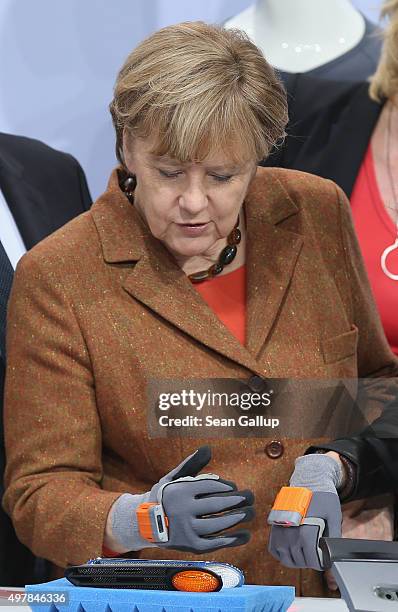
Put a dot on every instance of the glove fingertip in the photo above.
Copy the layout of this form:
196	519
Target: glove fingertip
248	495
241	537
195	463
228	483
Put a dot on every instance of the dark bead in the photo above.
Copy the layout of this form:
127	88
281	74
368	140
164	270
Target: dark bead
197	277
129	184
228	254
215	269
235	236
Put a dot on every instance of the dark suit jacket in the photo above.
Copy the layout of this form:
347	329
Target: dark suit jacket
330	125
85	340
329	130
44	189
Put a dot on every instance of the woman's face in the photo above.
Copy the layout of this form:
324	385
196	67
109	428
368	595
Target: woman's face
190	207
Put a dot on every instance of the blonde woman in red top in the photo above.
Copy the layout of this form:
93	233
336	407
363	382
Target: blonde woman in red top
348	132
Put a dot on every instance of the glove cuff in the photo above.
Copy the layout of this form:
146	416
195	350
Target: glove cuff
125	523
318	473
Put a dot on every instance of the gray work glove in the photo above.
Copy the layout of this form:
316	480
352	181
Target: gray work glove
198	509
298	546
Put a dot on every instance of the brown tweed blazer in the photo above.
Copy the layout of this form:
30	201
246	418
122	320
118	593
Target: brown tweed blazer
100	307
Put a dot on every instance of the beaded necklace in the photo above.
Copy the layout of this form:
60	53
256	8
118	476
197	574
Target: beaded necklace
227	255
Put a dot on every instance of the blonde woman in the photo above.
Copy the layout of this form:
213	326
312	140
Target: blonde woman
193	264
348	132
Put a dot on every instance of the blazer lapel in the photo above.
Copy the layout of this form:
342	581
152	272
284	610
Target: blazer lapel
167	291
272	254
156	280
25	202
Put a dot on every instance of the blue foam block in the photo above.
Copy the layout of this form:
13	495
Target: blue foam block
86	599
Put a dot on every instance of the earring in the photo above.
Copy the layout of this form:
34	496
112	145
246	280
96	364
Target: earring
129	186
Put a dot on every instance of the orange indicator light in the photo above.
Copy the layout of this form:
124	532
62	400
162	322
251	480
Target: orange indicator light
294	499
195	581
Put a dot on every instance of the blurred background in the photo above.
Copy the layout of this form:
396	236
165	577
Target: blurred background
58	62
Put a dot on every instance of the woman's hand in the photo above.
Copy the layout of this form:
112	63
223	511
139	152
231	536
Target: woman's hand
196	509
298	547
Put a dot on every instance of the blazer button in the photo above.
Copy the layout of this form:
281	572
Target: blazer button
256	384
274	449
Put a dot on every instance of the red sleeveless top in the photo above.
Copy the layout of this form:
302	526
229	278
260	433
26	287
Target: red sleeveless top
376	231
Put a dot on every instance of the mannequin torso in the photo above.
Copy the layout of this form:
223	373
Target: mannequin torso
300	35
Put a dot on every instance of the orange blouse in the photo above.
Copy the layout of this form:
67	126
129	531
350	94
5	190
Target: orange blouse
226	296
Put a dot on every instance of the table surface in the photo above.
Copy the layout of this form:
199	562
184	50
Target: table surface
314	604
301	604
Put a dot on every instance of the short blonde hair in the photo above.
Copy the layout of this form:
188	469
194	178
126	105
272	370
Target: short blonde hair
197	89
384	83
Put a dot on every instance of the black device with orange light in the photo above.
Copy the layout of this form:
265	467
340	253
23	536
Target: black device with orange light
169	575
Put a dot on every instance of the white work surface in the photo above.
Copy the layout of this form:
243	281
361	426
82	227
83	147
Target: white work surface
315	604
301	604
